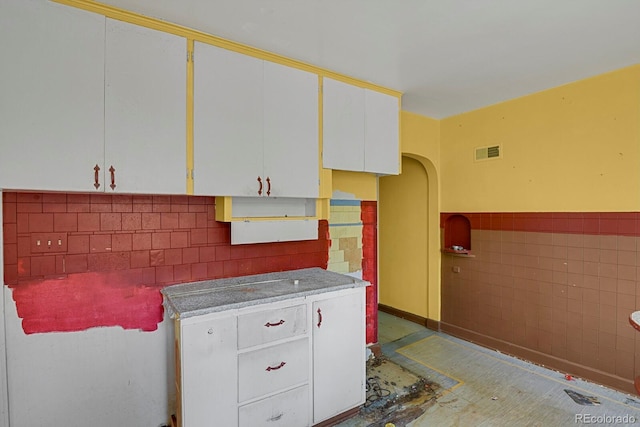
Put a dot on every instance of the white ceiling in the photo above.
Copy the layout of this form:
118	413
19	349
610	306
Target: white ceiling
447	56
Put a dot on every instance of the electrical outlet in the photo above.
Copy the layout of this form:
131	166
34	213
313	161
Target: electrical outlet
456	269
48	242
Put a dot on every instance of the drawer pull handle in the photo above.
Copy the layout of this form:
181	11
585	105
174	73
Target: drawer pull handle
268	325
319	318
270	368
268	186
260	189
275	417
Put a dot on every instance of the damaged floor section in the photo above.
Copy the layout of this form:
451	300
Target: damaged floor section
426	378
394	395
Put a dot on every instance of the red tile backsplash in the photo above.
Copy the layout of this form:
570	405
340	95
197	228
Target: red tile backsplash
88	222
121	250
369	217
65	222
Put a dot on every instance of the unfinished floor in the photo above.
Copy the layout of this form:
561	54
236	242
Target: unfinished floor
475	386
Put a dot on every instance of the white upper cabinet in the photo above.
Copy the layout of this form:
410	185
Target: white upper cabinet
84	94
255	126
360	129
145	110
381	133
52	96
227	122
291	159
343	126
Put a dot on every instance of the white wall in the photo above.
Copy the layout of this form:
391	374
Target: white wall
99	377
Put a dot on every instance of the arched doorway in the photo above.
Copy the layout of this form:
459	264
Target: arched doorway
403	207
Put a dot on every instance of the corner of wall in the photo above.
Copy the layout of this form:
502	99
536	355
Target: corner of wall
4	388
421	141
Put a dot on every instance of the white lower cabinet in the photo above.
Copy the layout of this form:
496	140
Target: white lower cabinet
339	366
290	363
208	380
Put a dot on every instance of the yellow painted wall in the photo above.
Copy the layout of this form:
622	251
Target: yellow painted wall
570	148
402	225
421	137
354	186
409	238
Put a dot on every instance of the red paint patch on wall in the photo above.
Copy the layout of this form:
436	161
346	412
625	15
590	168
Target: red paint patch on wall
122	250
82	301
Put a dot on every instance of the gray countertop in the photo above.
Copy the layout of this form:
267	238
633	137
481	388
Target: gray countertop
209	296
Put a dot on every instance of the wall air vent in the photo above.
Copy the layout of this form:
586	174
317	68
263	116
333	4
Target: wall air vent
487	153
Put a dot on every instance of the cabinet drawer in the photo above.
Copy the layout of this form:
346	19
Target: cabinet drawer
287	409
271	325
272	368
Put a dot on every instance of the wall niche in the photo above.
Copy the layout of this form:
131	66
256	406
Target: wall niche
457	234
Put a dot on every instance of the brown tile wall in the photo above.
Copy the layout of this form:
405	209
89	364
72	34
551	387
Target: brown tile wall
559	298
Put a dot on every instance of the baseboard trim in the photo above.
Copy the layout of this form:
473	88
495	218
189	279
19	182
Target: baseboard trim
423	321
434	325
339	418
546	360
376	349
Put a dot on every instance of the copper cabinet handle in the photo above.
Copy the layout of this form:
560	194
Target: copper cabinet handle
268	186
319	317
113	177
268	325
260	189
269	368
96	177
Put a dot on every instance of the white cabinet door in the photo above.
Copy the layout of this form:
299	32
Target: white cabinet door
381	136
338	353
209	372
145	110
255	126
228	122
52	102
290	131
360	129
343	126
